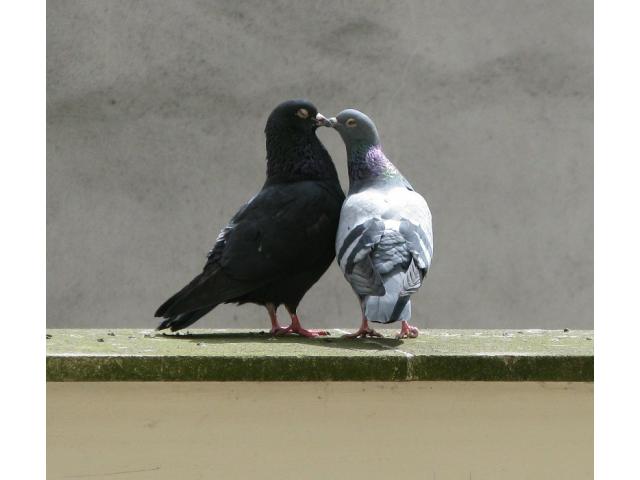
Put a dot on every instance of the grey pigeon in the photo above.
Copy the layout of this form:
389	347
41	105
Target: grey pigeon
281	242
384	243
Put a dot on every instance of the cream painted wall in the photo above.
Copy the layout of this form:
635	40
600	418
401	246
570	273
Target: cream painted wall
419	430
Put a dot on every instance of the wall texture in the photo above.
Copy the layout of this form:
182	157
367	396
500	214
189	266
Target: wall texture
244	430
155	137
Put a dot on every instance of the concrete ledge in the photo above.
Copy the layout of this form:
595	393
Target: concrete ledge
242	355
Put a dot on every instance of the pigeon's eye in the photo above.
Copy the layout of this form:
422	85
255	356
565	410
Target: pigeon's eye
351	122
302	113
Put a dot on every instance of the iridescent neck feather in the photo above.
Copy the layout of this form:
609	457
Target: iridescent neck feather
366	161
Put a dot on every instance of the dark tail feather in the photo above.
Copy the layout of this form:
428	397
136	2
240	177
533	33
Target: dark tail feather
185	292
183	320
209	289
165	306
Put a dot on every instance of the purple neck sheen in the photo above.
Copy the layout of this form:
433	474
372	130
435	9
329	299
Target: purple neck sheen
369	161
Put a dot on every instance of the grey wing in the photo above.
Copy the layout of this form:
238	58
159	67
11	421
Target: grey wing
395	254
409	248
418	243
354	257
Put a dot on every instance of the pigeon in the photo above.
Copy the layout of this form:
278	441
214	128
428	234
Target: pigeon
384	243
282	240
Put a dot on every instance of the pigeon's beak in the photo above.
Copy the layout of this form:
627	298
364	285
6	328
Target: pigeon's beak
322	121
332	122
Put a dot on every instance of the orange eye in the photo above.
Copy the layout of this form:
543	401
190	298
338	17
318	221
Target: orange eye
302	113
351	122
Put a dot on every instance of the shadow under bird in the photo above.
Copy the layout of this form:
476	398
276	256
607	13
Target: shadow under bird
384	243
281	242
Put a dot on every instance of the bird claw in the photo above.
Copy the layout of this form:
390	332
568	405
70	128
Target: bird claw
407	331
363	333
322	333
279	331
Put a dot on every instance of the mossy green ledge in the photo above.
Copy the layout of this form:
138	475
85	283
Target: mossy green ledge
243	355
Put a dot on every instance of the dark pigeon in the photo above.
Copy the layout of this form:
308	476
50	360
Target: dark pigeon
281	242
385	240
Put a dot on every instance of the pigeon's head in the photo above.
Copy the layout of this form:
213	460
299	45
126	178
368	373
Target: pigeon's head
354	127
295	116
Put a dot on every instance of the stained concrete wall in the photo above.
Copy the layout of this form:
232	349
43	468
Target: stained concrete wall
155	116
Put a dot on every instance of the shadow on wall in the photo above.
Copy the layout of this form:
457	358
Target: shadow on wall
266	338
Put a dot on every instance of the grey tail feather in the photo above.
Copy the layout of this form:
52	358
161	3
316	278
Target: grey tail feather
399	307
183	320
394	305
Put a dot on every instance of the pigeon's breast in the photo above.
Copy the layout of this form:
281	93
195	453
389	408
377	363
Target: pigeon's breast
391	205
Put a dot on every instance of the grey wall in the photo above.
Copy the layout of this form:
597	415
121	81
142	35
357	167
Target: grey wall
155	137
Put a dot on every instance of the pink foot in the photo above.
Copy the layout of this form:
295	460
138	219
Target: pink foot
278	330
407	331
298	329
319	331
363	334
364	331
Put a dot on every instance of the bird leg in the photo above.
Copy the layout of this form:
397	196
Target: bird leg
295	327
276	328
407	331
364	330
